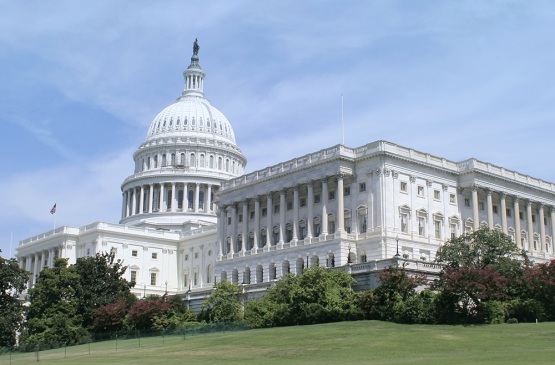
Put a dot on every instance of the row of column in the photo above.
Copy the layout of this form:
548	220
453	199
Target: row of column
230	211
516	216
133	199
36	262
195	82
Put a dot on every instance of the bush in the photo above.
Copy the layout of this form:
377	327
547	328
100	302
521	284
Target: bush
492	312
525	310
512	321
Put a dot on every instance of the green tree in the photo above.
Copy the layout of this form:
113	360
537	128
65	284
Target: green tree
223	304
101	282
13	281
319	295
52	314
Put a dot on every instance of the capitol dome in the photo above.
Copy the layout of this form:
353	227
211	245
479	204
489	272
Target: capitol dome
189	150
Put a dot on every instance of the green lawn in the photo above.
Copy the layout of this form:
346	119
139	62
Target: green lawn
364	342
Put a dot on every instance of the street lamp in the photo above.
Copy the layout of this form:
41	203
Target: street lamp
307	259
349	256
144	290
397	254
166	287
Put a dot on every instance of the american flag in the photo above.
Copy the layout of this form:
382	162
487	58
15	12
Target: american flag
53	210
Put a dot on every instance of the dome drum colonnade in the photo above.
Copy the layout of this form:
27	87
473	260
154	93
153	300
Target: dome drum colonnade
525	237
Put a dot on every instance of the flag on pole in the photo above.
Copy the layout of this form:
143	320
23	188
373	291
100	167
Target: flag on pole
53	210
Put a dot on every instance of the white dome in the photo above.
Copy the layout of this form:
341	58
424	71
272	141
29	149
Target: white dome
191	117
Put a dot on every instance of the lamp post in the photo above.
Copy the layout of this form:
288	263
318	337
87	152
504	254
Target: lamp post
144	290
307	254
166	287
349	255
397	254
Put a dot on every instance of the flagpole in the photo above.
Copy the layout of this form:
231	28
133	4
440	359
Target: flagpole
342	126
55	217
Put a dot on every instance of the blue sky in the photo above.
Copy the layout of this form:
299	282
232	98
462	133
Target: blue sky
80	83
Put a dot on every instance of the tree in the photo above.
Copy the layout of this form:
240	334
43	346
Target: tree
13	281
101	282
143	313
110	317
52	313
223	304
319	295
539	284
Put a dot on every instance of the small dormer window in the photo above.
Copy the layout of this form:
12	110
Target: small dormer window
208	123
164	122
171	122
193	122
221	126
158	125
177	121
185	121
200	122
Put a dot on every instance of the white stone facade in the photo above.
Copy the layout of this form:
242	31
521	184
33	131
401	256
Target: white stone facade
190	216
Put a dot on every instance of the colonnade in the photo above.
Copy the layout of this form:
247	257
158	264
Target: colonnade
194	82
36	262
229	213
167	197
514	206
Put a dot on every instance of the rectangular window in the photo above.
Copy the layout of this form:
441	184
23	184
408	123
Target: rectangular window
331	194
317	198
154	255
421	227
276	208
264	212
195	280
240	218
362	187
289	205
363	224
495	209
317	230
481	205
467	202
404	227
509	213
228	221
533	218
133	276
453	231
521	216
88	251
152	278
251	215
331	226
134	253
436	195
545	221
420	191
196	255
437	226
403	186
186	257
114	250
347	191
303	202
452	199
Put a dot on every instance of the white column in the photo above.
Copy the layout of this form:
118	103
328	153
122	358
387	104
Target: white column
150	197
36	269
197	194
269	229
134	202
179	255
256	220
530	224
489	203
552	212
310	206
185	197
174	200
141	200
282	209
245	225
324	200
51	257
516	216
233	226
475	216
123	204
295	212
128	205
502	196
221	230
208	204
429	198
163	207
340	204
542	228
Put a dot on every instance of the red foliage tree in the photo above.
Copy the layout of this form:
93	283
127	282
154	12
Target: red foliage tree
110	317
539	284
143	312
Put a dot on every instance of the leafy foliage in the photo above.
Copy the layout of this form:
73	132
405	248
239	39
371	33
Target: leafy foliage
13	281
110	317
319	295
142	314
223	304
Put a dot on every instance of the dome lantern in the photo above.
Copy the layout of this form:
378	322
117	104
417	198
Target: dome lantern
194	76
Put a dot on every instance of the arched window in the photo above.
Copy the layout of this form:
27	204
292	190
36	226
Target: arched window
143	165
221	126
192	161
158	125
177	121
211	162
233	167
219	163
190	198
201	199
201	161
173	159
164	160
227	165
156	161
193	121
185	121
169	199
200	122
148	164
209	273
180	199
171	121
208	123
182	159
164	123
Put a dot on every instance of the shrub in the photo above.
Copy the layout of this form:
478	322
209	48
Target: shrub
512	321
525	310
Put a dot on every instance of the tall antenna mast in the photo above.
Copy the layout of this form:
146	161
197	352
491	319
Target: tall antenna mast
342	126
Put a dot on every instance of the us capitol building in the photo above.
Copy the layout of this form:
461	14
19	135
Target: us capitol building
191	217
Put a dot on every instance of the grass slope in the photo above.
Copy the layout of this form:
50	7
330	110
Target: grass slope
364	342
